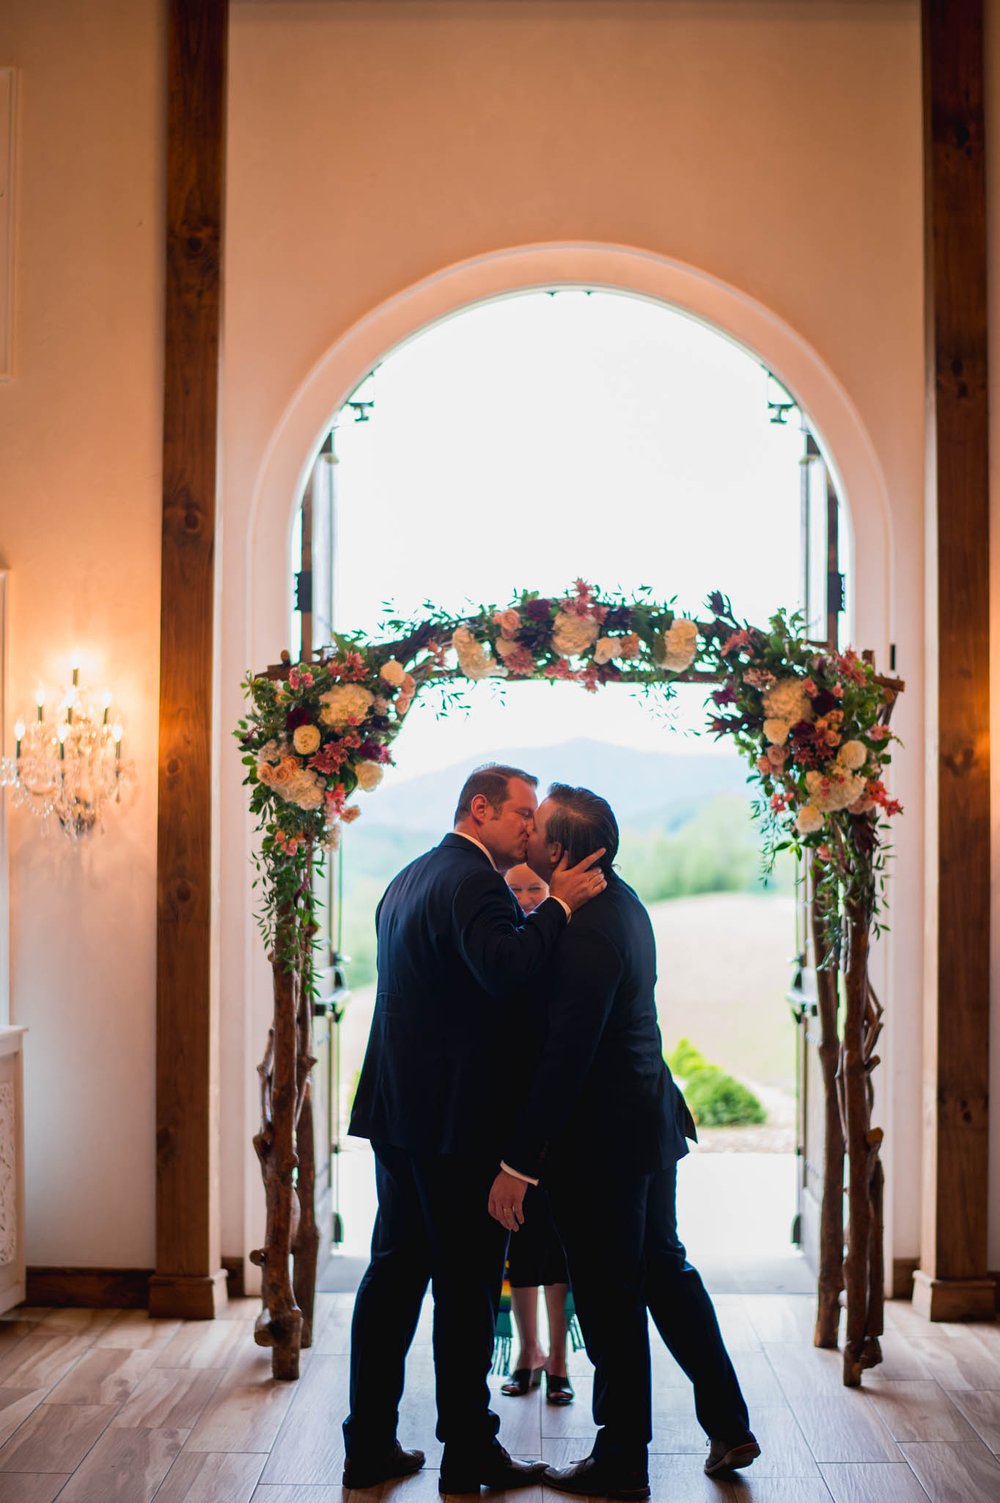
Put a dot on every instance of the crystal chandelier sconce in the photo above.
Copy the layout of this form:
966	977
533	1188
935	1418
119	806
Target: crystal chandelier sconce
68	763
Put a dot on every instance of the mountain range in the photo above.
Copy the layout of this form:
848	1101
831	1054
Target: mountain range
651	790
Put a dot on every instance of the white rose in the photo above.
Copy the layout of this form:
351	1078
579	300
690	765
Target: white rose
572	635
306	739
853	754
808	820
472	660
680	645
345	702
776	731
308	795
392	672
787	700
331	837
369	775
834	789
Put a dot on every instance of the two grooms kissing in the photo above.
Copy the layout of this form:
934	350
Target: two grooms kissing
584	1107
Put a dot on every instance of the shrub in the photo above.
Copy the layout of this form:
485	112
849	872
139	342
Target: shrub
686	1060
716	1099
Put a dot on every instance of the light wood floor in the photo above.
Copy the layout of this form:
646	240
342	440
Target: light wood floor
104	1405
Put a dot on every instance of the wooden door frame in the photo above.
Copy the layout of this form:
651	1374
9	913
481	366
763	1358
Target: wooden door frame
953	1277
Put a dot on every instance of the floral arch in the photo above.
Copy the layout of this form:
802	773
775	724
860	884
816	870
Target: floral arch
813	724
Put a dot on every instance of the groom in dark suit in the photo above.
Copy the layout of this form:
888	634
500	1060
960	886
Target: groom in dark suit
433	1097
602	1129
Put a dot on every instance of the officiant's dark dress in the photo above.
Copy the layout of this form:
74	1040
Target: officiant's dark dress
434	1098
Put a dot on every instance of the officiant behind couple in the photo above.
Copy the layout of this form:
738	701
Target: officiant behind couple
458	1137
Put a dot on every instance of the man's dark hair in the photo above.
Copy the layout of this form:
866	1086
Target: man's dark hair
582	822
492	782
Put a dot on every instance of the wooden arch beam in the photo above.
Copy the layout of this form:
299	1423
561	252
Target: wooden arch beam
189	1280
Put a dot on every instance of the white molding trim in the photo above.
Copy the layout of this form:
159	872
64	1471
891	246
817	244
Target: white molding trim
8	117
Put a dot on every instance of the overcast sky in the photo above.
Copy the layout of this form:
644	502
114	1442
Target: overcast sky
538	438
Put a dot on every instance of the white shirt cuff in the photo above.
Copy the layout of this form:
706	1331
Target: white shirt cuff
514	1173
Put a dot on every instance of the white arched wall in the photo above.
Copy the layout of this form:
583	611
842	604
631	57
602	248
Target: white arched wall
255	613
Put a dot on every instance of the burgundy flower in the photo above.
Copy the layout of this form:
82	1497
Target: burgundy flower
537	610
824	702
724	696
619	618
297	715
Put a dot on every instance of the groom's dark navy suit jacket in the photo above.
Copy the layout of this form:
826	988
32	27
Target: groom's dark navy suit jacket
453	947
602	1093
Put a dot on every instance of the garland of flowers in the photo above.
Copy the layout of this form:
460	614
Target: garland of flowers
812	722
318	733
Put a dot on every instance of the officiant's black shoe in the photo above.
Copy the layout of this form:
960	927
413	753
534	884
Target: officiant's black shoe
374	1471
597	1479
730	1455
497	1470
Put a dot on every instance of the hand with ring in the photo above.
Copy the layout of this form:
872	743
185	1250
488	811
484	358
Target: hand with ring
506	1202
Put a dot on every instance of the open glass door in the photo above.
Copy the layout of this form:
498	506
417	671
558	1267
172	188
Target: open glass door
314	550
822	593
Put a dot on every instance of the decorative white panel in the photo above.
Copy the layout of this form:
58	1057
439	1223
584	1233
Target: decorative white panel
8	1174
7	99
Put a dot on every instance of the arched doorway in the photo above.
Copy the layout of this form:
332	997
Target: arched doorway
839	431
584	427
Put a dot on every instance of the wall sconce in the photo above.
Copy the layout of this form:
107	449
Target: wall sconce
68	764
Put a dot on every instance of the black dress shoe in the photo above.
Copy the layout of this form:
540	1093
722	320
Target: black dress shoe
730	1455
596	1479
497	1469
359	1474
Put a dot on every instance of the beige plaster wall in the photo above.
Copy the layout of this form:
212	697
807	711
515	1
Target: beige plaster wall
775	147
79	529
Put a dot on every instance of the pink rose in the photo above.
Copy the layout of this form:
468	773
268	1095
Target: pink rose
509	623
776	755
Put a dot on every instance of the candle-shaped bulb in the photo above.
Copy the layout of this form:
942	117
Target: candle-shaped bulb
18	736
74	665
61	733
106	704
116	736
40	702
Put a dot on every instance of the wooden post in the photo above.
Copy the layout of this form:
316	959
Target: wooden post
861	1346
279	1324
831	1224
952	1280
189	1280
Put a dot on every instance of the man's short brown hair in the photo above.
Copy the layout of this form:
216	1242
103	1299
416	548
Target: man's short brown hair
492	781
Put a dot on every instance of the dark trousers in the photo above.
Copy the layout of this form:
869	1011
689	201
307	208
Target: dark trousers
432	1226
624	1255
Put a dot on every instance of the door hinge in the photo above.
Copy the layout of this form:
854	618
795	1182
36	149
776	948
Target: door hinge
304	592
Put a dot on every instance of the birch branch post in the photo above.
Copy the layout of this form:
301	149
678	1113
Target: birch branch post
830	1279
279	1324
